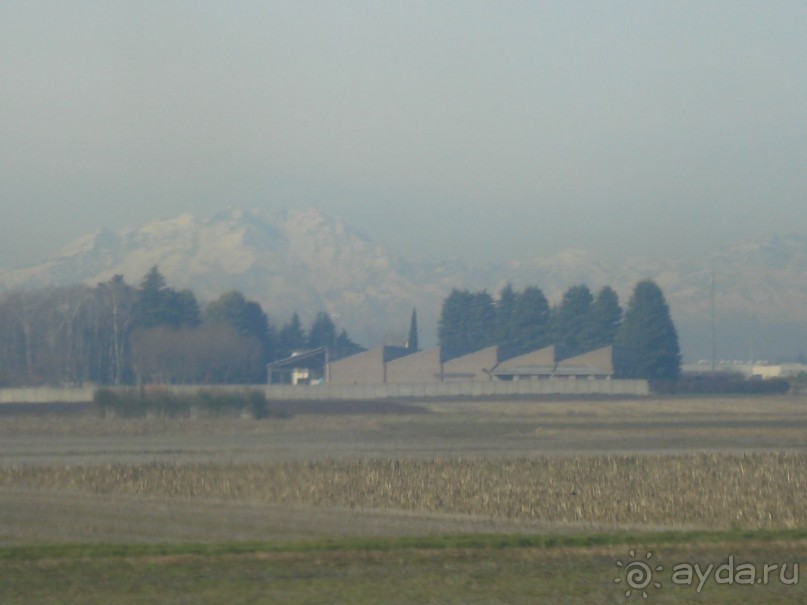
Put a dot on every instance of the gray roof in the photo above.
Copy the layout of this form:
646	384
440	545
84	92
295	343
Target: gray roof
303	357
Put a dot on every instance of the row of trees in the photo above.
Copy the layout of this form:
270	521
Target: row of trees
115	333
522	321
645	339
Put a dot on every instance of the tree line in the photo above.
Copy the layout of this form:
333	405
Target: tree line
116	333
644	337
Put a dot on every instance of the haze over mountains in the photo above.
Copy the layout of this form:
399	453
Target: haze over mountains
306	261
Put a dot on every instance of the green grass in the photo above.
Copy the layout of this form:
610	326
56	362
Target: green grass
468	570
388	544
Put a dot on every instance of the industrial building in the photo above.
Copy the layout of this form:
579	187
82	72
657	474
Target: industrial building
416	368
540	364
368	367
473	367
400	365
301	367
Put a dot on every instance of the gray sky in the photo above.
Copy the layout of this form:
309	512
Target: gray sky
444	129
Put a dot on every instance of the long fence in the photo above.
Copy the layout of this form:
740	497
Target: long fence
551	386
494	388
86	394
47	395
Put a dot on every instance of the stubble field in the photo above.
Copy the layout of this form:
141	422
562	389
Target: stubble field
445	502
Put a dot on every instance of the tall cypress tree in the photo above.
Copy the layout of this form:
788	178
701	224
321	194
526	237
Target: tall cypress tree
647	341
412	340
505	308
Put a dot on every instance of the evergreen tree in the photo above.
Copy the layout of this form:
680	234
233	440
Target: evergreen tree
467	323
572	321
412	341
245	317
606	315
530	327
482	321
291	337
506	333
450	326
344	347
453	325
322	332
182	309
647	341
150	308
159	305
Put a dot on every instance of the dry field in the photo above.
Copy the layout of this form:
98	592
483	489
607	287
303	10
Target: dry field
460	466
450	430
565	468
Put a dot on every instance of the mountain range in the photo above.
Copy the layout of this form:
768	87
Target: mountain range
306	261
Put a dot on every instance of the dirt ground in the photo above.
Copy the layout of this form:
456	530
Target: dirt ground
62	510
558	469
450	429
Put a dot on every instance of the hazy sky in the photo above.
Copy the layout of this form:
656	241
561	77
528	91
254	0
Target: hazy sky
444	129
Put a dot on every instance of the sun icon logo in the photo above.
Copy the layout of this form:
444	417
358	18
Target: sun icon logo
638	574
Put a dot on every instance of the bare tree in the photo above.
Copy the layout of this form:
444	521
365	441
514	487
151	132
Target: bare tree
209	354
114	301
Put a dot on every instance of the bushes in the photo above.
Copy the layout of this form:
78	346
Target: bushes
134	403
721	383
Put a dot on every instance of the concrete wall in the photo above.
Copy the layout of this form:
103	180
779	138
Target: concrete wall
778	371
550	386
417	367
85	394
47	395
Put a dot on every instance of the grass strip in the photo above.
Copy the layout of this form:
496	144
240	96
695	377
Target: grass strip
487	541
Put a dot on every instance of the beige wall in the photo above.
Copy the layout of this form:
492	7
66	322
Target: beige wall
475	366
778	371
415	368
541	358
47	395
363	368
424	367
601	359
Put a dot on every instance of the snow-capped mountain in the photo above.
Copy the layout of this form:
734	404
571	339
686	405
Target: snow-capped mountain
306	261
290	261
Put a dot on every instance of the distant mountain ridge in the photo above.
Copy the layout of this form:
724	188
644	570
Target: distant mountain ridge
306	261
